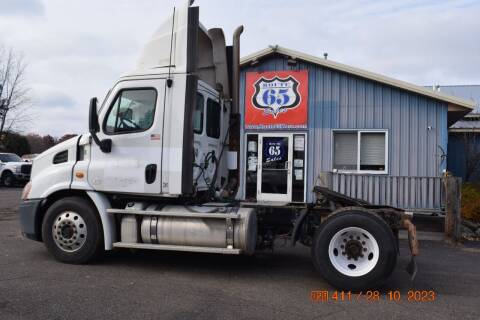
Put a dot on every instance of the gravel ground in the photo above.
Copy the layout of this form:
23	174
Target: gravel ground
9	199
169	285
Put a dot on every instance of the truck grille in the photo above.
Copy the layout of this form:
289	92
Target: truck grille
26	168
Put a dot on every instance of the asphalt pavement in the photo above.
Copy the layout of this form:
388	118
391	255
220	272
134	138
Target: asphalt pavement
271	285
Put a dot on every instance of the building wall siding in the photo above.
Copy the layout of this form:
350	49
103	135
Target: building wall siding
457	149
339	100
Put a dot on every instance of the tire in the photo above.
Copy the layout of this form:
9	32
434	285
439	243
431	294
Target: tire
354	250
78	235
8	179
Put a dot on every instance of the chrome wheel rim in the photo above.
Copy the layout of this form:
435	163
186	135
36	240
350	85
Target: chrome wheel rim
69	231
353	251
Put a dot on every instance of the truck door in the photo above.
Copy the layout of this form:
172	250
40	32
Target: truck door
208	136
132	118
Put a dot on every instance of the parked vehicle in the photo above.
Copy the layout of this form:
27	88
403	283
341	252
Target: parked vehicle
154	173
13	170
29	157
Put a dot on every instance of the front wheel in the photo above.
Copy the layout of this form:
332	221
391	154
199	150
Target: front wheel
354	250
8	179
71	230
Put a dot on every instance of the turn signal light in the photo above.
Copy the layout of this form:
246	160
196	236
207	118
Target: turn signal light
26	190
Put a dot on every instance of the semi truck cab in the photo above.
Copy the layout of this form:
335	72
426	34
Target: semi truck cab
159	170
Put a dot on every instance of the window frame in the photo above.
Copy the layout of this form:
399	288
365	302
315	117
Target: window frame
55	160
359	148
112	105
219	118
204	113
9	154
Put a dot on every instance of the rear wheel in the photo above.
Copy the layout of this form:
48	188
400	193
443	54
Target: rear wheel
354	250
72	231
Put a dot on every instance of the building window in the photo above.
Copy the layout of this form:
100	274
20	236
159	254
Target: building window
213	118
360	151
198	115
345	150
132	111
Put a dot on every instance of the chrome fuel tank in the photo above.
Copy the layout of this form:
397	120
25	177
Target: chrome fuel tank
209	229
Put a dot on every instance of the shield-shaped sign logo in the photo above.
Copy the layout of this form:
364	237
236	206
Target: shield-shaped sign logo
276	95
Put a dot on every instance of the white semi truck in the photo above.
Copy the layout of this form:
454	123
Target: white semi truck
159	170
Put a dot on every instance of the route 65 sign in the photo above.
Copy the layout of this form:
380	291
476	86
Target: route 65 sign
274	149
276	100
276	95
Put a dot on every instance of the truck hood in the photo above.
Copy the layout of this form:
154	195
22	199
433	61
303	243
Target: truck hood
45	159
65	145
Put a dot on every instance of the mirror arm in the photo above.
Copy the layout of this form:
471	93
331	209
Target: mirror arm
105	144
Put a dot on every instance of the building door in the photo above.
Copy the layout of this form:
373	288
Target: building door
274	180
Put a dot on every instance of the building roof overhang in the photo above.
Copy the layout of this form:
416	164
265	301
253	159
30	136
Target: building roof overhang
457	107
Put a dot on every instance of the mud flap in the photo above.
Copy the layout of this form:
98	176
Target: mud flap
414	248
412	268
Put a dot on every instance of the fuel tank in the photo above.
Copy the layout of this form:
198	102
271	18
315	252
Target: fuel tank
183	228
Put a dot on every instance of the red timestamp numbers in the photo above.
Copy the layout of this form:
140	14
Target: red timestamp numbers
413	295
374	296
421	295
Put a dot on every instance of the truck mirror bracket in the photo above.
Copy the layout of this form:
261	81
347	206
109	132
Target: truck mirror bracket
105	144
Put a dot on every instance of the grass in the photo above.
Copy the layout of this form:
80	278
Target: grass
471	201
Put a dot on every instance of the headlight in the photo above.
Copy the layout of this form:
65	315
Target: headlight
26	190
18	169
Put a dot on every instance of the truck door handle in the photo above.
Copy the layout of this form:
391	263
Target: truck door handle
150	173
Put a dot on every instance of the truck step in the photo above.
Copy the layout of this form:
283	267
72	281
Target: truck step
175	248
175	214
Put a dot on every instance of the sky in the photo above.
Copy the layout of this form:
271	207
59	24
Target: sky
76	49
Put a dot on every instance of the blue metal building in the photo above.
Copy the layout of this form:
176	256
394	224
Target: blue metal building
464	135
370	136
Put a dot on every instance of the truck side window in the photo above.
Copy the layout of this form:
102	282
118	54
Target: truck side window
213	118
132	111
198	115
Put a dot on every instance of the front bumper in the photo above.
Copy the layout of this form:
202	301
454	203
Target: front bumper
30	216
21	176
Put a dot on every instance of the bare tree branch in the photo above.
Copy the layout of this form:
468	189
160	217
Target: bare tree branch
15	102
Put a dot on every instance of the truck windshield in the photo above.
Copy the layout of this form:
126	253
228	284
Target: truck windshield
10	157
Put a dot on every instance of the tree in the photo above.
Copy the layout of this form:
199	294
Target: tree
36	143
66	137
14	94
15	143
471	143
48	141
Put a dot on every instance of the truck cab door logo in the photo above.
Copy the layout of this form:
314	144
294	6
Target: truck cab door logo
276	95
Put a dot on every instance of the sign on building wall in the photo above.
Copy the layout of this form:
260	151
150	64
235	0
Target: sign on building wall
276	100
